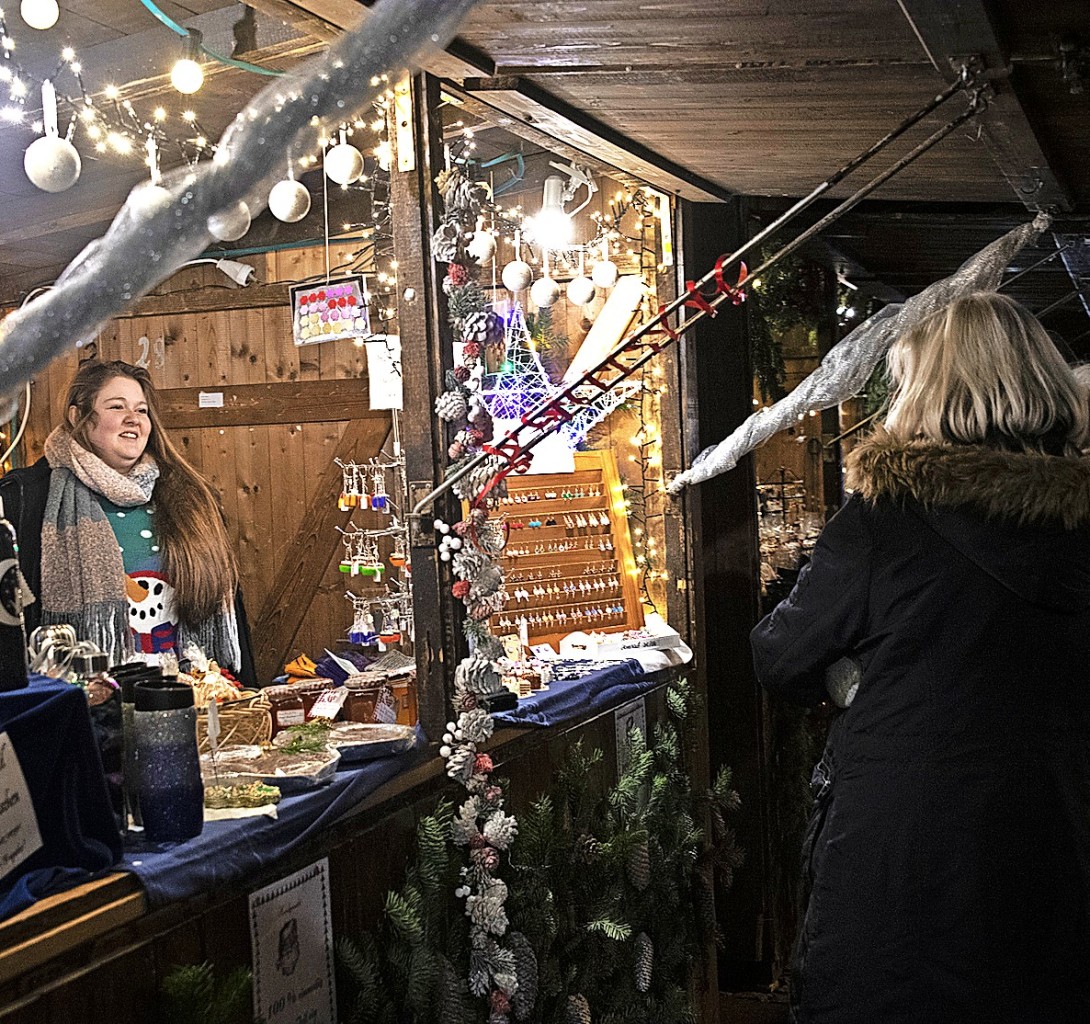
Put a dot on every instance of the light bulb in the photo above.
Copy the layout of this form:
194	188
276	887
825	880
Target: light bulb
40	14
186	76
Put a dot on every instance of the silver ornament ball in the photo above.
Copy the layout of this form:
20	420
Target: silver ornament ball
230	224
580	290
544	293
517	276
52	164
343	164
289	201
604	274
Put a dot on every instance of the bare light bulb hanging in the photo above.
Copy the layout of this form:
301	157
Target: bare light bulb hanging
187	76
552	227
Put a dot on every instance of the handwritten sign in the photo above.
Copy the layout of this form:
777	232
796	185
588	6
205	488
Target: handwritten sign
19	835
291	938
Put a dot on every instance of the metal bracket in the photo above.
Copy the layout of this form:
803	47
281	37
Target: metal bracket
421	534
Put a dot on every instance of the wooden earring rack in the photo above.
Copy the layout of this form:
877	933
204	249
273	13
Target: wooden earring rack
560	576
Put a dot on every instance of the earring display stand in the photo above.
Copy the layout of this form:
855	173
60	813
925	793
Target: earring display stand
568	563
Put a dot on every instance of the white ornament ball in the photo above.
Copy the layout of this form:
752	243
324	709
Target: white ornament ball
52	163
40	14
604	274
580	290
149	199
231	224
544	293
482	247
343	164
289	201
517	276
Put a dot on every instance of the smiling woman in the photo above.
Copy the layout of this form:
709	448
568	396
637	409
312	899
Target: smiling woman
121	537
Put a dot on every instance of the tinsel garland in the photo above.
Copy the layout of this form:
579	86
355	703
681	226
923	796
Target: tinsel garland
502	966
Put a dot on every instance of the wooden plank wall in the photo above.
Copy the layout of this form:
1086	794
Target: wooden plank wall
269	459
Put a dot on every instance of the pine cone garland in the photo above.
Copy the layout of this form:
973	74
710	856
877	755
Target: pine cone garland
445	242
451	406
639	866
460	763
476	725
477	675
645	957
578	1010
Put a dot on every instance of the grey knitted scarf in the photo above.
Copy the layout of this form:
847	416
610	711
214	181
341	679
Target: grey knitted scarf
83	575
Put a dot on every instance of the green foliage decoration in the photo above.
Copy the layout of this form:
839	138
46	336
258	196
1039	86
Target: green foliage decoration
194	994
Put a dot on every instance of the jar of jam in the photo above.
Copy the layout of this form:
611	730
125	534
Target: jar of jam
285	707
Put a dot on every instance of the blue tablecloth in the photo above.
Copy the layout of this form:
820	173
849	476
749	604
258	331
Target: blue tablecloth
564	701
228	852
49	728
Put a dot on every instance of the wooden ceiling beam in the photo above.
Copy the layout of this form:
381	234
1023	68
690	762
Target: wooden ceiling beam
519	103
332	17
957	34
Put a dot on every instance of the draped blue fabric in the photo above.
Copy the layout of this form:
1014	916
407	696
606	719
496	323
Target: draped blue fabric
49	726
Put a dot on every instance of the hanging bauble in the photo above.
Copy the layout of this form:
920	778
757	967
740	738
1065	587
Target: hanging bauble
230	224
544	293
604	274
482	247
580	290
148	199
289	201
343	163
40	14
517	276
52	163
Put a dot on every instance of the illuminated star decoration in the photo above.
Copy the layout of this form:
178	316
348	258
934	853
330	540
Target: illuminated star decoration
522	383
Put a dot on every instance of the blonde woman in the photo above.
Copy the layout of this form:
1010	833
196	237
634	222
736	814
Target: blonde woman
119	535
949	850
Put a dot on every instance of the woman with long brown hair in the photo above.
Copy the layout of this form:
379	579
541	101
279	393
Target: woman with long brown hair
120	536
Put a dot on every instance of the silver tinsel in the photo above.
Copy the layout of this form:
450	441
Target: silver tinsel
645	958
141	248
848	366
526	971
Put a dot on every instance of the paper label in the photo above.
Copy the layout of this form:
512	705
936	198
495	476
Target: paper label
543	651
386	707
329	703
210	400
294	716
19	835
291	938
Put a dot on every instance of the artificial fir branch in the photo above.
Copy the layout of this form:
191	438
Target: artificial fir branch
192	994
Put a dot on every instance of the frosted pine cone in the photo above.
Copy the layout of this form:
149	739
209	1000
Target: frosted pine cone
578	1010
477	675
476	725
526	971
487	584
639	866
645	956
451	406
500	830
445	242
483	327
460	763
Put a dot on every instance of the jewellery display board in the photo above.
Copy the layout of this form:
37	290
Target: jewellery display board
568	563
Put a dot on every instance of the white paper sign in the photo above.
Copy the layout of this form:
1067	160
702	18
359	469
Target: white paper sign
626	718
384	373
291	937
19	835
209	399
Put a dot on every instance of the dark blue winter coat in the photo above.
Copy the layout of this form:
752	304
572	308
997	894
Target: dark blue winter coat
949	852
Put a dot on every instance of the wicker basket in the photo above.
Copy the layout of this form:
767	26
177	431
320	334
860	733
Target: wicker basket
242	722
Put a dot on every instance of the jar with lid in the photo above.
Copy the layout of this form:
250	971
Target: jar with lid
285	707
171	791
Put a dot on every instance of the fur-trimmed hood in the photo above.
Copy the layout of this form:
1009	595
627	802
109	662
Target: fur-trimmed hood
1018	487
1023	517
